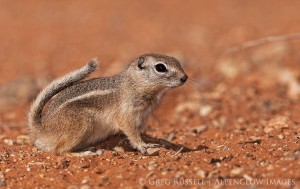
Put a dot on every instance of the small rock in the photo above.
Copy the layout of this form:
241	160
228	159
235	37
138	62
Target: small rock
85	180
99	152
87	153
85	166
236	171
9	142
179	174
98	171
205	110
199	129
164	173
42	176
150	167
23	139
201	174
153	151
213	173
247	177
268	129
280	122
280	137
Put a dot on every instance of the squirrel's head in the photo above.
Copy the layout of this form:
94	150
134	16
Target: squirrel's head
159	71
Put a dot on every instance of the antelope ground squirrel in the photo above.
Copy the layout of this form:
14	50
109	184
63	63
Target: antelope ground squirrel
82	113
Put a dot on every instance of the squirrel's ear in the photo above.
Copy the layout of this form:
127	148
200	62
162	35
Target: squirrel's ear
140	62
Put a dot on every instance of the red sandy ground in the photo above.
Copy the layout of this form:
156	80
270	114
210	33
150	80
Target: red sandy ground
250	108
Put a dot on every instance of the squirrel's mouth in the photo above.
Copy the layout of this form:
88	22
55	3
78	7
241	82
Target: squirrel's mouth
176	84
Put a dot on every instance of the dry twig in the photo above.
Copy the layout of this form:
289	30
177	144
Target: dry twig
263	41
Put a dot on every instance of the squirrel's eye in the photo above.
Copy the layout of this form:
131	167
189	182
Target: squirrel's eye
161	68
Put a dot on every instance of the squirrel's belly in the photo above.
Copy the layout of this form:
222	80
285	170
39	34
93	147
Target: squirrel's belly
101	132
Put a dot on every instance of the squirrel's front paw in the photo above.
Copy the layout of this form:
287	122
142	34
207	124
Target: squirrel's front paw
142	147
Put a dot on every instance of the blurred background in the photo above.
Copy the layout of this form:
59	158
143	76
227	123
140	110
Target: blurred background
41	40
53	37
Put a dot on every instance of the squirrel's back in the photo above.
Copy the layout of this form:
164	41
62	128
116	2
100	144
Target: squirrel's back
83	88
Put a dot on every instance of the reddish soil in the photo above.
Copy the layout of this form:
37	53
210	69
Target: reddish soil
237	118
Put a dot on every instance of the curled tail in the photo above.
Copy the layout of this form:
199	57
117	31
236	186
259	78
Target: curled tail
34	117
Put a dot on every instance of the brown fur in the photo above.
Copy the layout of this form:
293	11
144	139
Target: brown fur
87	112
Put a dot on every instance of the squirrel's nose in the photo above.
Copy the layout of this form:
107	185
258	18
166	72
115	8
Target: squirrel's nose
184	78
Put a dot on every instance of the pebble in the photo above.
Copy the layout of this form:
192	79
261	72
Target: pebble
164	173
179	174
150	167
205	110
22	139
279	122
199	129
236	171
201	174
99	152
9	142
87	153
153	151
268	129
84	181
213	173
247	177
280	137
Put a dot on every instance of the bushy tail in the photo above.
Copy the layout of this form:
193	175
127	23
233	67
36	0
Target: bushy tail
34	117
